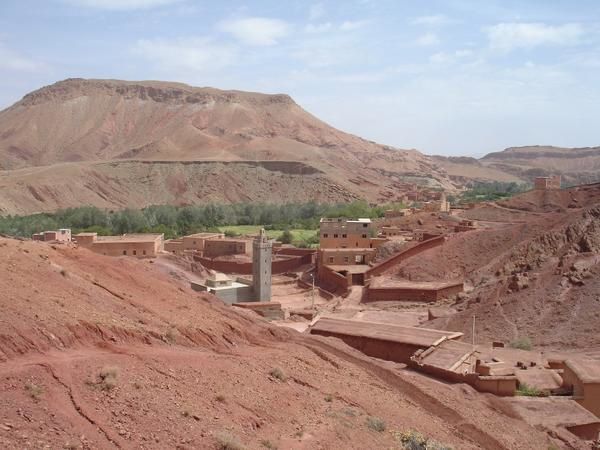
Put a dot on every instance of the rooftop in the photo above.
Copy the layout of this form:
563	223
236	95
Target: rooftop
203	235
348	250
421	285
343	219
422	337
448	355
587	370
351	268
145	237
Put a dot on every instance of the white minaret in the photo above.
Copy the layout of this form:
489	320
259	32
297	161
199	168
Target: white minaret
262	257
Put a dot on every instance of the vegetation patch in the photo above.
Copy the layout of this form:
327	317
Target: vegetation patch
228	441
278	374
522	343
376	424
526	390
413	440
107	378
35	391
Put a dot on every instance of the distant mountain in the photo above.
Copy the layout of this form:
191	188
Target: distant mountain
117	143
522	164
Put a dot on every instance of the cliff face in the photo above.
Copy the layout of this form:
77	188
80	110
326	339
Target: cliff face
91	121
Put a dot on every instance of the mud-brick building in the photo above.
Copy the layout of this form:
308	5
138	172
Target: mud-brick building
61	235
547	183
191	243
345	233
137	245
214	248
583	377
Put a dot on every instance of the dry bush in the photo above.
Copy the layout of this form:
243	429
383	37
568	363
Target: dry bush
35	391
375	424
277	373
108	377
227	441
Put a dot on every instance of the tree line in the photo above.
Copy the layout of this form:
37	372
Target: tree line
176	221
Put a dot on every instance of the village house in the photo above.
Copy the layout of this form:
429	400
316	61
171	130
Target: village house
547	183
191	243
138	245
214	248
62	235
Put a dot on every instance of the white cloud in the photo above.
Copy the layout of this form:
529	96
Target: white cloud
189	54
121	5
434	20
255	30
508	36
350	25
316	11
318	28
427	40
10	60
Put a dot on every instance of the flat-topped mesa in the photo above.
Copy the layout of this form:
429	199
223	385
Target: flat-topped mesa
157	91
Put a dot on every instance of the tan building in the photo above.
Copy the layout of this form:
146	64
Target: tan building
345	233
583	376
391	231
138	245
190	243
545	183
62	235
345	256
214	248
393	213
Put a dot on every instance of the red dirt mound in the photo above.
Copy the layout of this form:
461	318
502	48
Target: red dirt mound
101	352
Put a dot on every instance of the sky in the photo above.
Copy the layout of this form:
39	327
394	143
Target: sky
452	77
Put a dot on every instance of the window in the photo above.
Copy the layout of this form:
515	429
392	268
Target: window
364	236
365	225
346	259
194	242
331	259
325	235
124	252
335	235
135	252
144	251
344	235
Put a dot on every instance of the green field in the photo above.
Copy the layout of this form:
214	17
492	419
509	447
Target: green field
242	230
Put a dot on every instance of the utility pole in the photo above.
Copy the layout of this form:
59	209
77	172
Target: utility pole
312	293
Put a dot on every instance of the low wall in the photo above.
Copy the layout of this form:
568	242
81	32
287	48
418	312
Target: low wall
389	351
332	280
501	386
278	266
268	310
322	292
228	295
382	294
408	253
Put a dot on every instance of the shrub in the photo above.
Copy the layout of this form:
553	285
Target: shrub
523	343
227	441
285	237
108	377
329	398
412	440
376	424
220	398
278	374
268	444
35	391
529	391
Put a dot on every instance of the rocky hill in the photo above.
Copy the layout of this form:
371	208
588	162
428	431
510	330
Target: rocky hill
56	141
522	164
112	353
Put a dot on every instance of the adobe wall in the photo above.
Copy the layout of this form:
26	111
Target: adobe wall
383	294
136	249
389	351
332	281
408	253
245	268
322	292
223	247
504	387
229	296
587	432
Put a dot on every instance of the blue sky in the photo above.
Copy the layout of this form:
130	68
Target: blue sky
452	77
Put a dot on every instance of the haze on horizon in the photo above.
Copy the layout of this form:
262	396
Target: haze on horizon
455	77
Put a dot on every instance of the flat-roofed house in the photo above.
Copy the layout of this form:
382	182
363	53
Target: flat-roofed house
214	248
142	245
584	377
